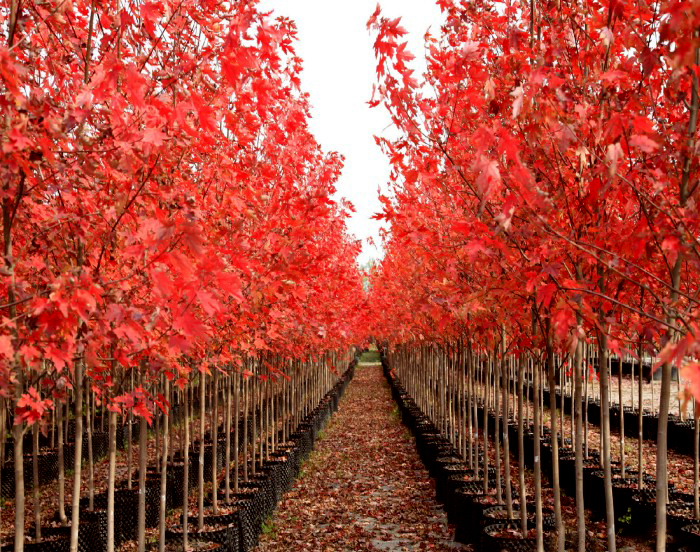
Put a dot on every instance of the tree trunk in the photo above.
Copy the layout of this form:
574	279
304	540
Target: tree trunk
521	452
111	479
622	419
35	477
236	414
77	461
215	445
487	378
227	467
578	444
506	437
554	438
18	438
91	463
245	383
130	438
61	466
640	415
586	371
186	473
470	400
497	424
200	481
164	472
605	434
537	463
696	463
143	458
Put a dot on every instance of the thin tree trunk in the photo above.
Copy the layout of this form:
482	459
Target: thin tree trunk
129	447
18	438
143	458
640	414
111	479
554	438
61	466
200	485
77	461
215	445
487	378
622	419
245	383
470	401
587	372
605	434
536	413
35	477
164	472
497	424
236	414
186	473
521	452
696	463
578	444
227	467
506	437
91	463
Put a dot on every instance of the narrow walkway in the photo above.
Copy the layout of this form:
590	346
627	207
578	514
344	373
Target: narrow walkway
364	487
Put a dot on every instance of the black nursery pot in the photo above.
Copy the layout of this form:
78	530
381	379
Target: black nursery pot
174	490
475	516
48	465
644	510
226	528
498	514
97	534
92	534
444	488
650	425
218	535
126	504
678	516
463	500
493	539
443	466
49	543
454	483
623	490
567	470
549	520
153	500
690	536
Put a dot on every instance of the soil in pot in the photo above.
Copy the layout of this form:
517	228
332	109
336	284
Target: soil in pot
690	536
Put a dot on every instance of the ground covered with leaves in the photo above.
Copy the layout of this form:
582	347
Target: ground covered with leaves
364	487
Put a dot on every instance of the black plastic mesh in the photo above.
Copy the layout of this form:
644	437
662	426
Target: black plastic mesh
126	504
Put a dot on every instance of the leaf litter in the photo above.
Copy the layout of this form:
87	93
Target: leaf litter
364	487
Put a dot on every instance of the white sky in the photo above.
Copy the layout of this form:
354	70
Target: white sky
339	71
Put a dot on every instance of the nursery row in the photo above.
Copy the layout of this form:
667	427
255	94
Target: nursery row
246	456
168	221
469	420
543	207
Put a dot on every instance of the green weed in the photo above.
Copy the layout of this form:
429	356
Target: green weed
269	528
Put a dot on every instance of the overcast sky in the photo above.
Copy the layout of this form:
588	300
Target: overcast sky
339	70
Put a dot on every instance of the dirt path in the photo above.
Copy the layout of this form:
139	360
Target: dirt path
364	487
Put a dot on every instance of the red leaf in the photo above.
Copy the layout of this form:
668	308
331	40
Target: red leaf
643	142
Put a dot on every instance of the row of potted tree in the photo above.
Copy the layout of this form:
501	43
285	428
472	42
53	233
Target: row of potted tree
169	231
544	204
